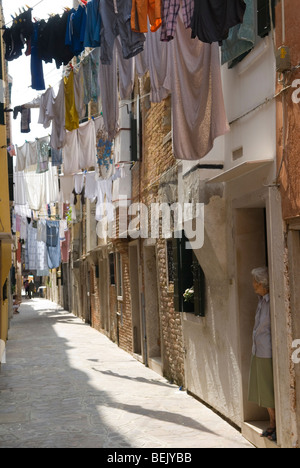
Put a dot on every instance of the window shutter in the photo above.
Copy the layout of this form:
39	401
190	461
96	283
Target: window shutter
199	288
187	273
263	17
177	273
133	137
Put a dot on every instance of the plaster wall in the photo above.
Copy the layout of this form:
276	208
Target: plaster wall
218	346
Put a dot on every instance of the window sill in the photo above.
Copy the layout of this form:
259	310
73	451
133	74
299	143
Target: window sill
190	317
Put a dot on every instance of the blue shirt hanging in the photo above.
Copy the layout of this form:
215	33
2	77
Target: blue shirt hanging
93	25
75	32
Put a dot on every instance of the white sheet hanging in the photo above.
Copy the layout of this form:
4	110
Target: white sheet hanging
194	79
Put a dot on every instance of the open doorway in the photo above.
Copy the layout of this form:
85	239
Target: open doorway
251	252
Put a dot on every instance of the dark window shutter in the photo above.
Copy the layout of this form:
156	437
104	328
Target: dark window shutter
199	288
133	137
187	274
263	17
112	268
177	274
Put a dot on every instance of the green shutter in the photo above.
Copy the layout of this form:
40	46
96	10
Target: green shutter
199	288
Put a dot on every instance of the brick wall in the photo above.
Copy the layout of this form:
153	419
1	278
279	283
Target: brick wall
157	159
124	317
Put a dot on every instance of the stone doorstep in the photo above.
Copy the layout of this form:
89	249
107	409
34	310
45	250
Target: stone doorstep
252	431
155	364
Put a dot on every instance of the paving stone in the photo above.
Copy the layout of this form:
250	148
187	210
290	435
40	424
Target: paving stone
65	385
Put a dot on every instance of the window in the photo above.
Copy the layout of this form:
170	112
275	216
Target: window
188	275
119	276
243	37
136	132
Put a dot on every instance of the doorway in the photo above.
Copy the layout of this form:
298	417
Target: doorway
251	252
104	294
135	299
153	329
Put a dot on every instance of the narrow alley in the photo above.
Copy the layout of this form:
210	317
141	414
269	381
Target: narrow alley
65	385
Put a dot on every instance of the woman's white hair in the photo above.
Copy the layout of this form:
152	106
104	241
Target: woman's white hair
261	275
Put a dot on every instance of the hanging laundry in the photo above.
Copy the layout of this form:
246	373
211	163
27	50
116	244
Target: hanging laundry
87	145
41	231
51	185
90	186
71	153
63	227
66	188
104	200
90	68
25	118
41	259
194	79
56	157
36	66
79	183
51	40
32	247
79	92
21	158
19	188
24	229
141	11
115	16
53	244
93	24
155	58
11	150
46	108
52	231
26	156
108	78
104	151
241	38
58	133
169	15
75	32
18	223
18	35
71	114
212	19
126	72
43	149
41	188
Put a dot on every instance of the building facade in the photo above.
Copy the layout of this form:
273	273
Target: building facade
5	223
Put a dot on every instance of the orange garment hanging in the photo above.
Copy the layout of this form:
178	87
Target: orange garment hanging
140	11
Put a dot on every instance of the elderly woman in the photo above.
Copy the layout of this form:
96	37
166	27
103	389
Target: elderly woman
261	386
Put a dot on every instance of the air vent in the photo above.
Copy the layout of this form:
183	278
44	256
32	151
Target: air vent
237	154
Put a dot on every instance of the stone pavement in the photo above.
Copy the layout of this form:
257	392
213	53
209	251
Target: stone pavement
65	385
